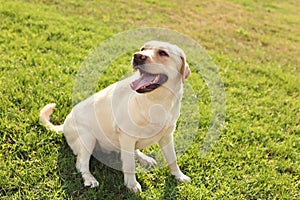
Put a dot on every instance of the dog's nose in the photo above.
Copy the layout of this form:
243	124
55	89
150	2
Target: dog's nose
139	58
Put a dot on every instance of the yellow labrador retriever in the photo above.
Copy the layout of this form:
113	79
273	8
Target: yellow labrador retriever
131	114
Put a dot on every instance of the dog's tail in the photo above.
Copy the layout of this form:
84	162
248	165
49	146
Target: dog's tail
45	118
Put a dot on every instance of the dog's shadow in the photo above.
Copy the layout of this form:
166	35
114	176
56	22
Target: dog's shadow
111	182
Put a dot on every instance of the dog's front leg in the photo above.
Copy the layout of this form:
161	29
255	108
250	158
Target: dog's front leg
127	145
167	146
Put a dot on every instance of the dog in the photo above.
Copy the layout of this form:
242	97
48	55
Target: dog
130	115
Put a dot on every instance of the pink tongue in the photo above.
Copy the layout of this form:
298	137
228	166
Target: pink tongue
144	80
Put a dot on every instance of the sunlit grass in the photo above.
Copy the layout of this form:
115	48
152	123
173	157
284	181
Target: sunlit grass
255	46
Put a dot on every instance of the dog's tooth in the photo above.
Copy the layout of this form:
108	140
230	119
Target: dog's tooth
156	78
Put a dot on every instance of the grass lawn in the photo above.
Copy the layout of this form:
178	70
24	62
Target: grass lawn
255	46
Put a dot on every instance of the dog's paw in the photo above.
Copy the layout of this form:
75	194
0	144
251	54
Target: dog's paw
147	161
131	183
136	188
182	178
90	181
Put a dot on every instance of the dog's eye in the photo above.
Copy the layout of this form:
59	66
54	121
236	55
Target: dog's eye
162	53
142	49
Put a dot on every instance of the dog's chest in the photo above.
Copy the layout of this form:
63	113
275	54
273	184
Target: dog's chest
155	137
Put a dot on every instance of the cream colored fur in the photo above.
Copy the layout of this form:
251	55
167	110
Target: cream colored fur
122	120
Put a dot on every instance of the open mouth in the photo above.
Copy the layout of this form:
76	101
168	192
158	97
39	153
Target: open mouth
148	82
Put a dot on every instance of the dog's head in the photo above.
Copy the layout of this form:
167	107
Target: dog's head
159	63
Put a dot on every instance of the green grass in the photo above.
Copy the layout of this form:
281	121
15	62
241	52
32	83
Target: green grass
255	45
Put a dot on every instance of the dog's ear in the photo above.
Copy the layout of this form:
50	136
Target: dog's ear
184	70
